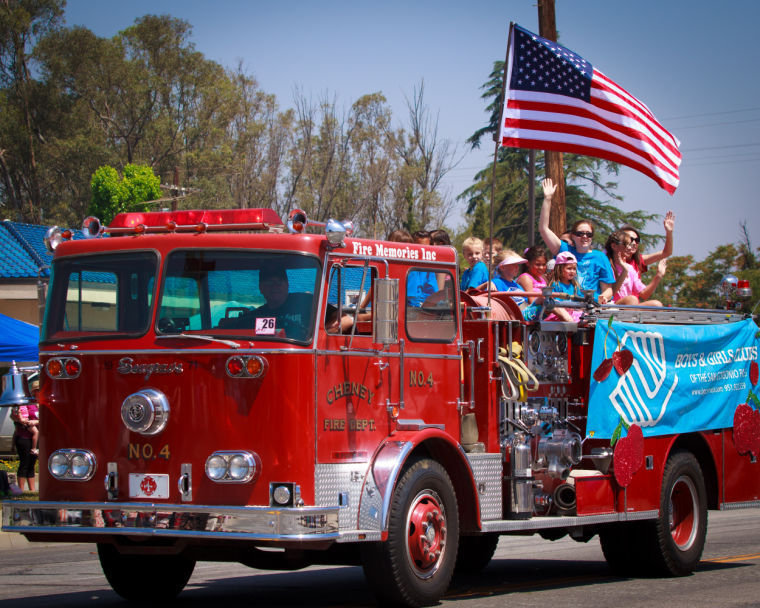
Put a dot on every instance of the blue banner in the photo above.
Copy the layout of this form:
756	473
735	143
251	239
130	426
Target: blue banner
673	378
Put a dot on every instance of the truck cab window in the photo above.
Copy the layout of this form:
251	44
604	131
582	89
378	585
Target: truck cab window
247	293
348	299
430	306
100	295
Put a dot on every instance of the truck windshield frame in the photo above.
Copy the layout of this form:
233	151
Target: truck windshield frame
244	293
100	296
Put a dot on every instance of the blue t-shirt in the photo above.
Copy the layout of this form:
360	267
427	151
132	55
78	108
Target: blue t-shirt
593	268
503	284
567	288
472	277
419	285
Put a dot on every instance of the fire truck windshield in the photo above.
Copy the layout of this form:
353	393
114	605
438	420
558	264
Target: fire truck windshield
100	295
266	295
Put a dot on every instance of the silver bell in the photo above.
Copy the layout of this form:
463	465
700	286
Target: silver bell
15	388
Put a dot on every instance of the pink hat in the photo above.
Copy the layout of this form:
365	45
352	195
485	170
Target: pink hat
512	259
565	257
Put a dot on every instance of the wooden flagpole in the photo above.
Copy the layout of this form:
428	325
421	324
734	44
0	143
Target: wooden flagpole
554	166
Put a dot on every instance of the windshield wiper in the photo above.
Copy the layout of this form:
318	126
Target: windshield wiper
229	343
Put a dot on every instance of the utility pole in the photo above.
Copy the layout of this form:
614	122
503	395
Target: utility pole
175	189
547	28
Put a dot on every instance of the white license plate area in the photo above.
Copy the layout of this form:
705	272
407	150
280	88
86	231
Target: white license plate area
148	485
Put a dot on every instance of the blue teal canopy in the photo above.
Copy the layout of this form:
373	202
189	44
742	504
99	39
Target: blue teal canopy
19	341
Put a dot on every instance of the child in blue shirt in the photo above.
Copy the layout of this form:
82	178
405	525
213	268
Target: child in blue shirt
477	273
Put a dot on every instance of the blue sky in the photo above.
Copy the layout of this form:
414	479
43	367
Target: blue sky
693	62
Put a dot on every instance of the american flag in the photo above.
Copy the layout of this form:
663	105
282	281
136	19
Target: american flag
556	100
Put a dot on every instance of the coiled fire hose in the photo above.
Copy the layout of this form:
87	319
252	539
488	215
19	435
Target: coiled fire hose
514	371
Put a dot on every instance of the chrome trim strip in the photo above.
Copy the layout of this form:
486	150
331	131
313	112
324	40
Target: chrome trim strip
381	353
172	520
200	351
538	523
746	504
251	351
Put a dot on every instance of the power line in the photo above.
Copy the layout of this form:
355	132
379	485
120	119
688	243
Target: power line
717	124
712	114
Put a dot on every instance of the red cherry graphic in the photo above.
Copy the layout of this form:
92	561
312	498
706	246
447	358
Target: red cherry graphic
754	373
622	360
747	430
604	369
628	456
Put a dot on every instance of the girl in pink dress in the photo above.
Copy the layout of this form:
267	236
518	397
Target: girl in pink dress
534	278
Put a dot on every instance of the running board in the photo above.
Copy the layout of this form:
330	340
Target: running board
540	523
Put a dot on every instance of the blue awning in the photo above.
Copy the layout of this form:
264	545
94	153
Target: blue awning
19	341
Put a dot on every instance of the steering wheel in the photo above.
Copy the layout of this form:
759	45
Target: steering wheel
166	325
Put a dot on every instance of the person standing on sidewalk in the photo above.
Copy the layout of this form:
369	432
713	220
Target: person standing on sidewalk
22	439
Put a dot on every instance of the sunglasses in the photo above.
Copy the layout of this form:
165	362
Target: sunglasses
635	239
583	233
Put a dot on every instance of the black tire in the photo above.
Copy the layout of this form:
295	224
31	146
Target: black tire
145	578
415	565
475	553
675	541
621	547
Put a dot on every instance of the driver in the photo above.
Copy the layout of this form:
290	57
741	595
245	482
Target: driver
283	312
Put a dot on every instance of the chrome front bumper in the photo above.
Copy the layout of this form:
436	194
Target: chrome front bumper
179	521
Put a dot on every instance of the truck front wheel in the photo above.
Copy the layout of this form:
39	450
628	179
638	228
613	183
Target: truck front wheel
144	578
415	565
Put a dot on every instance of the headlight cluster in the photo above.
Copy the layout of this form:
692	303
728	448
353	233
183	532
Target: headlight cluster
233	467
59	368
72	465
246	367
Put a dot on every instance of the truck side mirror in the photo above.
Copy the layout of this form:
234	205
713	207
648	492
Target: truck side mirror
385	311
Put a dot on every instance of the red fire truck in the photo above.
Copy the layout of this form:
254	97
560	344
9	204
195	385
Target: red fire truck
217	385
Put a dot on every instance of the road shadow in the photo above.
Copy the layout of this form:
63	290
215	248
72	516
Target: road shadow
346	587
512	576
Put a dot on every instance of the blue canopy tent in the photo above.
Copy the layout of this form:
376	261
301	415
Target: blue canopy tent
19	341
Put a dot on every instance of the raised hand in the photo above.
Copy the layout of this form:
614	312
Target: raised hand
662	267
549	187
669	222
643	392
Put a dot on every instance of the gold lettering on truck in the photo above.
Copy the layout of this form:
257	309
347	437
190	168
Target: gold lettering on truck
349	389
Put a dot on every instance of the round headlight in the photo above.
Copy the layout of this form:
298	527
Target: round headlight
81	466
58	465
216	467
239	467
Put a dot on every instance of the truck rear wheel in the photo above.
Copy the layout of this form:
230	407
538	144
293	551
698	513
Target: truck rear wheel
621	547
672	544
415	565
677	537
144	578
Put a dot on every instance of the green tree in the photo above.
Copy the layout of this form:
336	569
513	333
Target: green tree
112	194
25	106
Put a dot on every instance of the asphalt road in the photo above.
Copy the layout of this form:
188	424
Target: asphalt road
526	572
